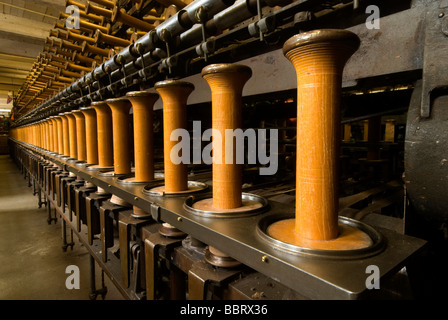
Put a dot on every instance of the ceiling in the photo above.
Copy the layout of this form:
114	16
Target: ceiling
24	26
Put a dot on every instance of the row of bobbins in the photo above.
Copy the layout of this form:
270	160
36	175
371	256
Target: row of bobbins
319	57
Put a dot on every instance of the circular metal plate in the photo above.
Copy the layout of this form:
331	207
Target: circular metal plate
188	205
193	187
378	242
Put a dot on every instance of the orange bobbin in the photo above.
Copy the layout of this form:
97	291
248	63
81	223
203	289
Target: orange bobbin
226	82
80	135
142	108
50	134
121	136
72	135
54	134
104	135
91	135
65	135
60	142
174	95
319	57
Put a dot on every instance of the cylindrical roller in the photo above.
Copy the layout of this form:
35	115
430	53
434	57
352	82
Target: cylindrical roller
72	135
54	134
174	95
120	15
107	3
121	136
80	135
318	57
142	107
104	134
60	138
91	8
94	49
65	135
91	135
114	41
226	82
79	37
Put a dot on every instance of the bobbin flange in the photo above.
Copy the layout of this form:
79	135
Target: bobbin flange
252	204
377	244
158	189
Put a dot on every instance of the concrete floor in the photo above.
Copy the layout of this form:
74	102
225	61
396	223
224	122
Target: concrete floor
32	262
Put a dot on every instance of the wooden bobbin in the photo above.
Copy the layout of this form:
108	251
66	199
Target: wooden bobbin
121	136
104	134
174	95
91	135
50	135
65	135
226	82
60	142
319	57
72	135
142	107
80	135
54	134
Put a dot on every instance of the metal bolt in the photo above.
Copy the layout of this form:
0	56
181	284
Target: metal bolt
264	259
179	219
109	186
135	198
441	14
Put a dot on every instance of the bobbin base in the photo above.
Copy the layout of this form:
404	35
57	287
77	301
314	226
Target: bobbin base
159	189
130	179
96	167
349	238
355	239
252	205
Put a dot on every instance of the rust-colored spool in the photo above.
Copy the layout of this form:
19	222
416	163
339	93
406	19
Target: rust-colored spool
80	135
319	57
72	135
48	132
226	82
54	134
60	142
91	135
142	107
104	134
174	95
121	136
65	135
49	135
